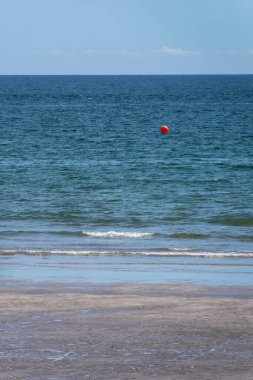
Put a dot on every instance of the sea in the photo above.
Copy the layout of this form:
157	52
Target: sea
85	170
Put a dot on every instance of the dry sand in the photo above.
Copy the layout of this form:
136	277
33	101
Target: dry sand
83	331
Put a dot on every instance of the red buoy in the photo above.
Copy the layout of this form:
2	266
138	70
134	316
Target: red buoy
164	129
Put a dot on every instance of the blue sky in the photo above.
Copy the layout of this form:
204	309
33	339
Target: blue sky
126	36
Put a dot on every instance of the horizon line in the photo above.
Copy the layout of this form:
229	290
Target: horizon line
154	74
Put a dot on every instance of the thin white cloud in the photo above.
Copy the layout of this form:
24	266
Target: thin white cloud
123	52
86	52
53	52
221	52
129	53
250	51
59	52
94	51
175	51
68	52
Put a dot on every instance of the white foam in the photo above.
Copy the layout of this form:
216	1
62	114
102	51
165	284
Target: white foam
116	234
176	252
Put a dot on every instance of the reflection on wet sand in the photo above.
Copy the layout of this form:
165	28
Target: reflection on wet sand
84	331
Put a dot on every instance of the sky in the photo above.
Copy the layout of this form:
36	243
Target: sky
126	37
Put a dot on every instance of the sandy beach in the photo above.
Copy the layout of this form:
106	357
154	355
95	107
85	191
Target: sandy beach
80	331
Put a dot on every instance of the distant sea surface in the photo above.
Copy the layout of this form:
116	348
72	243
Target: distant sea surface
85	170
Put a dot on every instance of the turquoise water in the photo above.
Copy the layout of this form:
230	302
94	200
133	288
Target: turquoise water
85	170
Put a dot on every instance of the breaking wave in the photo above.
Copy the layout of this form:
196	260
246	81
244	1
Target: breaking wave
170	252
117	234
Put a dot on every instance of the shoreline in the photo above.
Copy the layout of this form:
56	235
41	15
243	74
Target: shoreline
125	331
128	269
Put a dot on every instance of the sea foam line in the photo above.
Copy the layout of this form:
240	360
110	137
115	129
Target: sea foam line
177	252
117	234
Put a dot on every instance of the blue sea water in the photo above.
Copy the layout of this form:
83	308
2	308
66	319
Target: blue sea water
85	170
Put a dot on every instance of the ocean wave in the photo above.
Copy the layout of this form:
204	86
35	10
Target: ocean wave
166	252
236	221
117	234
189	235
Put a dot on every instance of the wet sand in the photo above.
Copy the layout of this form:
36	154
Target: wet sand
82	331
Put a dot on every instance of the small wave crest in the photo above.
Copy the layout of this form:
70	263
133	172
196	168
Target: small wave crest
236	221
189	235
169	252
117	234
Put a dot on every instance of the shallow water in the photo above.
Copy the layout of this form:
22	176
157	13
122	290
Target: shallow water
128	269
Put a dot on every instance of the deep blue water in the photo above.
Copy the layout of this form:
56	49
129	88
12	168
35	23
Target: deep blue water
84	167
